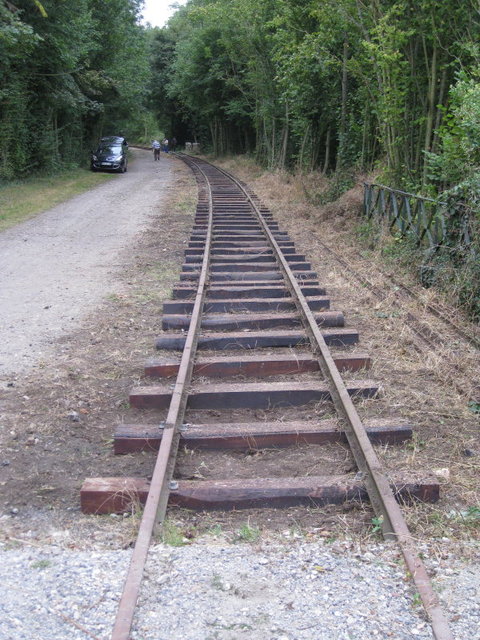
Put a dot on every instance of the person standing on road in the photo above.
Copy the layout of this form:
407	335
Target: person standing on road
173	144
156	149
165	145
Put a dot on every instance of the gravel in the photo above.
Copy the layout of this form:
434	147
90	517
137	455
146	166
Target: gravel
289	590
57	266
281	589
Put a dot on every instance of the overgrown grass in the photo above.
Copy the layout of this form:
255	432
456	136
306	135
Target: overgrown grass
448	270
24	199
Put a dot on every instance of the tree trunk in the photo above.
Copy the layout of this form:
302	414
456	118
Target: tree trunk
441	97
431	110
283	150
343	116
327	152
302	148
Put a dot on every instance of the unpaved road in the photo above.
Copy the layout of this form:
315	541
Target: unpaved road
56	267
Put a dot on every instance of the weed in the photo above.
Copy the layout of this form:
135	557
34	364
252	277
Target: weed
377	524
23	199
172	534
217	582
474	406
416	600
341	181
216	530
246	533
368	233
470	517
41	564
416	443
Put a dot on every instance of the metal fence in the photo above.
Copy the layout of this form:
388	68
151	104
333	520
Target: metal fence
432	223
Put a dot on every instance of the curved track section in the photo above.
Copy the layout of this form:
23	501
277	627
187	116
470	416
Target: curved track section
261	322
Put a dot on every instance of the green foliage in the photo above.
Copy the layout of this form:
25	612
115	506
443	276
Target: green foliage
172	534
70	72
474	407
330	85
246	533
377	524
341	181
457	164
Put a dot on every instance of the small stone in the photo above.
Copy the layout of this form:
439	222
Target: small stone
74	416
444	473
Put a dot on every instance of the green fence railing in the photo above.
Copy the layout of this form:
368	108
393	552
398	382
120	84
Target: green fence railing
432	223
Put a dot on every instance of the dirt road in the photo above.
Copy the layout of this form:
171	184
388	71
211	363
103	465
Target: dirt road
57	266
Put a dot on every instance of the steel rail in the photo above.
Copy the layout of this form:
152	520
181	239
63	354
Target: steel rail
471	339
381	495
156	503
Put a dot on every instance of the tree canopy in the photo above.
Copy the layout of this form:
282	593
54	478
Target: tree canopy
301	84
69	71
309	84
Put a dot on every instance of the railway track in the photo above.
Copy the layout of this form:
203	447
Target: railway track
261	360
402	291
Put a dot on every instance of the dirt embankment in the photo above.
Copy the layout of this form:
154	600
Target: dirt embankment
57	418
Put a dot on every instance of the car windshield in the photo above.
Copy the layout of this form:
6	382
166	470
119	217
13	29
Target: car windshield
113	149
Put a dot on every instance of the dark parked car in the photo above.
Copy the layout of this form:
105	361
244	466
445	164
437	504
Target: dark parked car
111	155
113	140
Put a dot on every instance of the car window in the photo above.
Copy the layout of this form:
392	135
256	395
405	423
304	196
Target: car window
111	149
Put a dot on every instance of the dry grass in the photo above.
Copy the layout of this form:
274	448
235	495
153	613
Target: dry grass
94	370
429	384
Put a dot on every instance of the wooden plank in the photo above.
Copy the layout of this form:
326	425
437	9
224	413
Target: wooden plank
258	395
238	236
245	258
240	251
236	322
255	366
233	225
253	276
235	214
113	495
257	339
133	438
228	306
242	235
237	244
118	495
245	289
240	266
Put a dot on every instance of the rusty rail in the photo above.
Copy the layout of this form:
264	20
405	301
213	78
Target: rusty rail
381	495
387	509
156	504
